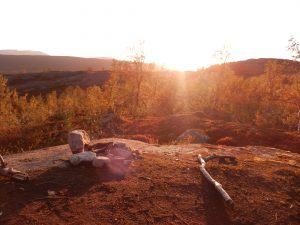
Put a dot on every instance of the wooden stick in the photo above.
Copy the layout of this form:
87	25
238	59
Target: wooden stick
2	163
207	176
11	173
214	156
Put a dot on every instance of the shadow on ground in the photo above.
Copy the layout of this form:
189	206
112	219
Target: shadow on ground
216	211
65	182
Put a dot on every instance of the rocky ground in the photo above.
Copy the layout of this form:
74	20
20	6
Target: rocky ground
165	187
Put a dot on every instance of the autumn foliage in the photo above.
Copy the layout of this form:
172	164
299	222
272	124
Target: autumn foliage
136	90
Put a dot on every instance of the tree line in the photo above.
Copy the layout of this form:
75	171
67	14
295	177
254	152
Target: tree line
137	89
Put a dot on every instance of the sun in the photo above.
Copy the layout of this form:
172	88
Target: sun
181	63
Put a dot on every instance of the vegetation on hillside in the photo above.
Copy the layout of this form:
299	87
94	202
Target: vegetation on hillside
136	90
11	64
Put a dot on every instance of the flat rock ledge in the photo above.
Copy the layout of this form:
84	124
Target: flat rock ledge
57	156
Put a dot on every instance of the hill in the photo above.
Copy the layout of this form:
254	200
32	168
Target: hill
46	82
20	52
164	187
256	67
10	64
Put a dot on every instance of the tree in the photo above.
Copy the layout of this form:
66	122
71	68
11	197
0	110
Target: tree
7	113
124	88
222	55
111	85
138	73
223	74
293	47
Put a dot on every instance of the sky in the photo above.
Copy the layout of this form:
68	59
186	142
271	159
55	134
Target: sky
180	34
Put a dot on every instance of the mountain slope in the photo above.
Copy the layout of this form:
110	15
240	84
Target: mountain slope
256	67
46	82
20	52
34	63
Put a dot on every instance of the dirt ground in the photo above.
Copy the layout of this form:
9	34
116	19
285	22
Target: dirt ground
165	187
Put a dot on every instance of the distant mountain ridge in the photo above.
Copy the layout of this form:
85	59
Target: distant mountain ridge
256	67
20	52
54	73
12	64
45	82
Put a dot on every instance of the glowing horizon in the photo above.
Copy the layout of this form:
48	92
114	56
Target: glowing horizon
179	34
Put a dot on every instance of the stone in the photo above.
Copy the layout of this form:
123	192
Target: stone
76	159
120	149
118	160
110	156
193	136
78	141
63	165
51	193
101	161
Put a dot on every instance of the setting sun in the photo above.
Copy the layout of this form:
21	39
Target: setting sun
179	34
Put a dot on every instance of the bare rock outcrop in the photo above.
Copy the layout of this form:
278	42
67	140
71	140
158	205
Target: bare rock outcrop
55	156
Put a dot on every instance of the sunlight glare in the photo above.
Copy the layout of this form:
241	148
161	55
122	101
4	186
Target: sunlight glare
180	34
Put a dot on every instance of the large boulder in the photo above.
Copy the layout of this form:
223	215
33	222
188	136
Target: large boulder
78	140
193	136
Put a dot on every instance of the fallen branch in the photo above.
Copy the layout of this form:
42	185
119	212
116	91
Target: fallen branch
10	172
2	163
232	158
207	176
